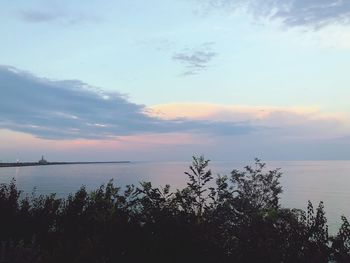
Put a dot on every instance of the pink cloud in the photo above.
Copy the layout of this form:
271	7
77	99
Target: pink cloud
285	132
294	121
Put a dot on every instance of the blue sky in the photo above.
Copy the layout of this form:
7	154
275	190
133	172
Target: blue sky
189	71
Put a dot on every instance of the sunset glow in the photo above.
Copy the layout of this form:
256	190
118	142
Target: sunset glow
108	81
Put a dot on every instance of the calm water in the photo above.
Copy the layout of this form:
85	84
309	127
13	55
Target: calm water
302	181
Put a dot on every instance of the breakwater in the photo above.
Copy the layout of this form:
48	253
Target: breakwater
21	164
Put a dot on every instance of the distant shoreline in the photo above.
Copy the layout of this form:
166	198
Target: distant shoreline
21	164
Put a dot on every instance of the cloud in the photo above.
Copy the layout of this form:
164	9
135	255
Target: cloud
285	123
40	16
310	13
71	109
69	119
195	60
37	16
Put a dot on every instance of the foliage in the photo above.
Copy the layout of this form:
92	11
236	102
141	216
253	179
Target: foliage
234	218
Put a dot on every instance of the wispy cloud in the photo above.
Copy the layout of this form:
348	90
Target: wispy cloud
72	109
59	16
37	16
195	60
310	13
282	122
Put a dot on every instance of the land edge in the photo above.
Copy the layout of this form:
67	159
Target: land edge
20	164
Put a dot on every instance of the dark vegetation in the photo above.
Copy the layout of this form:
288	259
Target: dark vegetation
236	219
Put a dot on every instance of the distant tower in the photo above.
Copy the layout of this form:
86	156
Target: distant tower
42	161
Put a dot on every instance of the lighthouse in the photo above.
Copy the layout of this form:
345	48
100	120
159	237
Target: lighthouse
42	161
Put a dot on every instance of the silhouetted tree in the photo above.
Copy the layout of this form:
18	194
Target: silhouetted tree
234	218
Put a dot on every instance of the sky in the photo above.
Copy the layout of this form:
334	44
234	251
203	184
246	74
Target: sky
161	80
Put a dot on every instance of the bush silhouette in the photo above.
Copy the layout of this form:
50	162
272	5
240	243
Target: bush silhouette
234	218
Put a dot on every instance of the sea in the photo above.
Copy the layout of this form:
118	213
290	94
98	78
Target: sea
327	181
